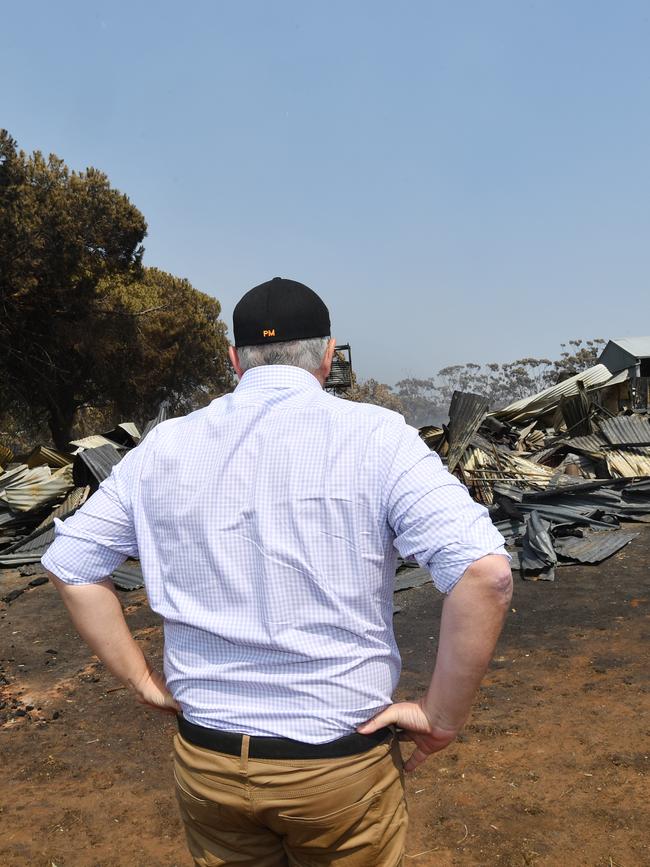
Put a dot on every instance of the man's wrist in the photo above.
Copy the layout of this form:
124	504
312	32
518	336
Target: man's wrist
438	719
138	679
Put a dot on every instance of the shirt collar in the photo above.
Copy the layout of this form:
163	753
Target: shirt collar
278	376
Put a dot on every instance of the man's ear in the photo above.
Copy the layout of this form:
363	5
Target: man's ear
234	360
326	364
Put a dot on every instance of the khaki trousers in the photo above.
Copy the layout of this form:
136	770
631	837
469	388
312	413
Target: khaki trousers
348	812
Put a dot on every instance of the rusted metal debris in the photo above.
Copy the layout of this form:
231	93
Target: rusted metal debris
550	465
48	484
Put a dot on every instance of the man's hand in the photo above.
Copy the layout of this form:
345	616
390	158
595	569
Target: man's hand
472	616
415	726
151	690
96	612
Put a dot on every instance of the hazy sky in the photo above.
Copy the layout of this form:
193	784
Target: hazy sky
460	181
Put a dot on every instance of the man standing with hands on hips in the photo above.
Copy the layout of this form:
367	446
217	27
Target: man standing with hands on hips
268	526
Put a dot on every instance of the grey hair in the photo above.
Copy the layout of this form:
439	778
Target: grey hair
307	354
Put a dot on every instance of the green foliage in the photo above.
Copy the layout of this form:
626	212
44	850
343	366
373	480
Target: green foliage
81	321
160	339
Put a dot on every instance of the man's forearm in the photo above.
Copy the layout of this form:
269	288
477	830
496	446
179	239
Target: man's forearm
472	618
96	612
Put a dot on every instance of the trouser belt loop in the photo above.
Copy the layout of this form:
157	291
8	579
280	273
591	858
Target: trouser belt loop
245	746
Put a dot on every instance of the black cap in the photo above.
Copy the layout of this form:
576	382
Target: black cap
279	310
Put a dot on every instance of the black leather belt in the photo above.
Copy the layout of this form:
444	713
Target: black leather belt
279	748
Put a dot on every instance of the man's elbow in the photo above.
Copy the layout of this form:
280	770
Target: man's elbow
502	584
494	576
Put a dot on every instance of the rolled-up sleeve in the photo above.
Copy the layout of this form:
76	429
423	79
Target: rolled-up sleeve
433	517
94	541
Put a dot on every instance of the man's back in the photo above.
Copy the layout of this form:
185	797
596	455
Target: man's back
267	526
265	547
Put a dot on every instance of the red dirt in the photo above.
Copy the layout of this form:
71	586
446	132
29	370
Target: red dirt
551	769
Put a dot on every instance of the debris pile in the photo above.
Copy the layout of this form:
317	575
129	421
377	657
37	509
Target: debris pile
558	471
47	484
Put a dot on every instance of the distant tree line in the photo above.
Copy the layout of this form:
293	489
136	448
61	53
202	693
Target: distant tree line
84	326
426	401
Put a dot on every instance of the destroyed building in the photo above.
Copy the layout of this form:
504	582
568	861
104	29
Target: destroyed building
560	471
628	360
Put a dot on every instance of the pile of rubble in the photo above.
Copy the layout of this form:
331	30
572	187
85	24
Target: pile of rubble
559	472
47	484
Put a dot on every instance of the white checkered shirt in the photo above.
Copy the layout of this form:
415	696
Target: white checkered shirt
268	526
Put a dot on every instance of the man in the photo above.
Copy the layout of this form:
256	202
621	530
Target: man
268	526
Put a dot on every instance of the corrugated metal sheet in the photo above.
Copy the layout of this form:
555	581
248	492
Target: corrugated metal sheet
594	547
466	412
23	489
628	463
163	415
594	444
637	489
623	376
126	427
340	375
432	436
564	513
510	529
576	410
32	548
535	440
42	455
482	468
28	550
537	552
92	442
626	430
128	576
480	463
411	577
92	466
598	502
16	475
529	407
76	498
543	455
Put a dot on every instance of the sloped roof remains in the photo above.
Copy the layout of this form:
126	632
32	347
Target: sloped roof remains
626	430
529	407
622	352
639	347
